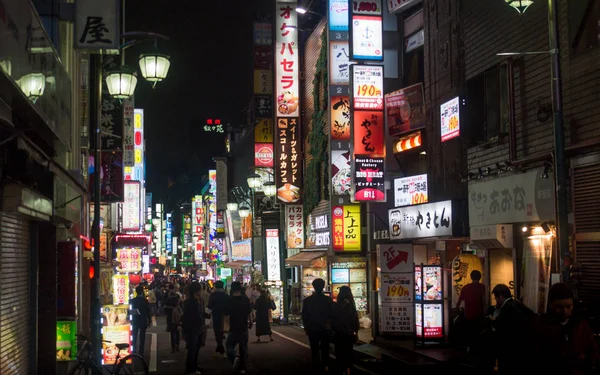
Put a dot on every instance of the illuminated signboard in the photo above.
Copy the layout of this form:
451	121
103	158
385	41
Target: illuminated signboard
131	206
288	175
410	190
294	220
287	66
346	228
450	119
367	87
130	260
120	289
366	38
263	154
369	179
273	258
198	222
338	15
369	133
169	233
214	126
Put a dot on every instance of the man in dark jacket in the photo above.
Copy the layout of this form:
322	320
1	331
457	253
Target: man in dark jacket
193	325
217	303
140	310
316	318
239	310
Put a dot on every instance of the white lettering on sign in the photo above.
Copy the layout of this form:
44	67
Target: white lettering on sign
322	239
321	222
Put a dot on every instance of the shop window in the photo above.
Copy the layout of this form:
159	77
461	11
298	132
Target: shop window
584	24
488	105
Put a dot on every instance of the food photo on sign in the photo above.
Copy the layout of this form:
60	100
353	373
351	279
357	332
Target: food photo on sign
289	160
341	172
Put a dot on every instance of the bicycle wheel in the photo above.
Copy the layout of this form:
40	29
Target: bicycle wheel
133	364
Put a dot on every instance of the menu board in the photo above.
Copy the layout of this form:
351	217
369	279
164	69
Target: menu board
340	275
432	283
116	329
428	320
358	276
353	275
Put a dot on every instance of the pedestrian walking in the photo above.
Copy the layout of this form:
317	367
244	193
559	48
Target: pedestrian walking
263	306
217	303
193	325
345	327
174	313
239	311
474	297
140	311
316	318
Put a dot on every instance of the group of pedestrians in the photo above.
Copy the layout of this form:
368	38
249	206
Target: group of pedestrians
325	322
518	340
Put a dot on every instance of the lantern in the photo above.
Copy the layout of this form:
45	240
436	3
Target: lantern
33	85
269	189
232	206
244	212
519	5
121	83
154	67
254	181
462	266
135	279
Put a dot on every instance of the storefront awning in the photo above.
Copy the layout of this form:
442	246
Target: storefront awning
237	264
304	258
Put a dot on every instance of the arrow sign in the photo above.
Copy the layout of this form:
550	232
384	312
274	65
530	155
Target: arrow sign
400	257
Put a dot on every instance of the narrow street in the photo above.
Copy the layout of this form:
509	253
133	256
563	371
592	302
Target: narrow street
289	353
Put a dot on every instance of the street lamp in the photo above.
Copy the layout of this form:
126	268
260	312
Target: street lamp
121	83
154	67
232	206
244	211
269	189
33	85
254	181
519	5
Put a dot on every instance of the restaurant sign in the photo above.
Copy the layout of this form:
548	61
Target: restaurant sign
424	220
346	228
369	178
288	160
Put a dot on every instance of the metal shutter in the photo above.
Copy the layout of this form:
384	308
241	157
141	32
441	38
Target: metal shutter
586	205
14	294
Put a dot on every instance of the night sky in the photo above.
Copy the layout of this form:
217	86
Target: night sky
210	77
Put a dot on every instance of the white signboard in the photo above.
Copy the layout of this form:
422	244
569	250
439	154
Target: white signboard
450	119
367	40
395	258
273	263
424	220
339	66
146	263
97	25
397	318
367	87
294	221
410	190
287	66
338	15
372	7
131	206
396	287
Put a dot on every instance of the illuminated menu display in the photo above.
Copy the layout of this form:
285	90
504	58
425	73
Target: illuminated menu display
288	175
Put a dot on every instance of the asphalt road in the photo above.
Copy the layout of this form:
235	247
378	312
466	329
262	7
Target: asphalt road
287	354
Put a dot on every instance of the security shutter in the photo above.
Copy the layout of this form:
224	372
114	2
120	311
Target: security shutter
586	202
14	294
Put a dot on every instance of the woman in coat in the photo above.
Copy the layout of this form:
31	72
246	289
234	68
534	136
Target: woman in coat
345	326
263	305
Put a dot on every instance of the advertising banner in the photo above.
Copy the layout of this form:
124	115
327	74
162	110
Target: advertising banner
241	250
369	7
450	119
396	287
410	190
198	221
367	83
132	206
287	67
405	110
128	134
220	232
397	318
346	228
366	35
111	176
424	220
340	118
338	15
369	133
130	260
263	130
263	155
369	178
288	174
66	341
339	66
273	257
429	320
116	330
121	290
341	172
294	222
138	143
263	109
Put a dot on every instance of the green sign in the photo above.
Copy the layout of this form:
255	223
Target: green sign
66	345
186	263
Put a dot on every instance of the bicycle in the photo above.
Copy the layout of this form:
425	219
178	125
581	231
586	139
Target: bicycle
87	364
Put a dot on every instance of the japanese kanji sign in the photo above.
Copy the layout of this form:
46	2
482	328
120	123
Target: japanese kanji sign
397	318
130	259
450	119
131	206
369	133
128	134
263	82
263	131
213	125
424	220
288	160
346	227
366	33
369	178
263	107
263	34
120	289
340	118
367	87
287	67
405	110
339	66
294	221
111	121
410	190
97	25
273	257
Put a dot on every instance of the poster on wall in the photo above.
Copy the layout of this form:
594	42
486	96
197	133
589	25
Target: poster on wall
397	318
405	110
346	228
341	172
294	219
369	178
273	259
288	158
410	190
287	67
367	87
395	258
396	287
115	330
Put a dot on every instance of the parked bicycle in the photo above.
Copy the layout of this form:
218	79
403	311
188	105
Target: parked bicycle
88	364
